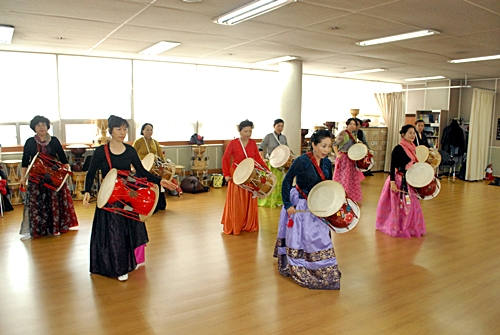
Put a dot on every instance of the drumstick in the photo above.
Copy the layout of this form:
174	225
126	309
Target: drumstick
304	211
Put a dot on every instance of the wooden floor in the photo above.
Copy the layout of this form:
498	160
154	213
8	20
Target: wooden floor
198	281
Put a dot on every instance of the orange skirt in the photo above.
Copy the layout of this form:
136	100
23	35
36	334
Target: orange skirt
240	211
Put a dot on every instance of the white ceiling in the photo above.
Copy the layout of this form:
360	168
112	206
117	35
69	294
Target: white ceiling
321	32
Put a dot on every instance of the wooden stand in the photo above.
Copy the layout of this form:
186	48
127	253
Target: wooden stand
12	167
199	163
79	182
16	198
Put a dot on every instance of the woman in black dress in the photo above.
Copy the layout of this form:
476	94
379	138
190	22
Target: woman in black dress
115	237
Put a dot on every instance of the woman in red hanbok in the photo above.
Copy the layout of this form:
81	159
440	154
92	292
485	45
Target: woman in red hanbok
240	210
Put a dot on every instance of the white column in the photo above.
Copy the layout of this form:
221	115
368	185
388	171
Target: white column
291	102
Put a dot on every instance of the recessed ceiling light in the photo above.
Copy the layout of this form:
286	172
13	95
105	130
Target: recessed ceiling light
276	60
399	37
424	78
474	59
363	71
6	33
158	48
251	10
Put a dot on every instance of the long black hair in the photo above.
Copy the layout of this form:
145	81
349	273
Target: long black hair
144	127
319	135
405	129
244	124
116	122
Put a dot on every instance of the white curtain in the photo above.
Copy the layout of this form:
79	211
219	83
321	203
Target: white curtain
392	108
479	134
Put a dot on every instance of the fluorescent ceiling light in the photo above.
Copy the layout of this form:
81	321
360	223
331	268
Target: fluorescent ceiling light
6	33
276	60
424	78
475	59
363	71
400	37
250	10
158	48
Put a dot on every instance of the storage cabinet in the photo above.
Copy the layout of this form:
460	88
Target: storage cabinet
377	141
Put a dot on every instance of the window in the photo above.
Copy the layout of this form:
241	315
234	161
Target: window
94	88
28	86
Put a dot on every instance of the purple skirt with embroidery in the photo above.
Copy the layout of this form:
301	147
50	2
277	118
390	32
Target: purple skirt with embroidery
305	250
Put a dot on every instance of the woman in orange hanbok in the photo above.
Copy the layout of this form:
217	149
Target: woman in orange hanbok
240	210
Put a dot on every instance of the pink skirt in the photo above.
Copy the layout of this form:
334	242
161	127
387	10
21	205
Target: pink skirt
140	254
350	177
397	218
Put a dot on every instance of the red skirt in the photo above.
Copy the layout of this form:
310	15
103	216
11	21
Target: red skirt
240	211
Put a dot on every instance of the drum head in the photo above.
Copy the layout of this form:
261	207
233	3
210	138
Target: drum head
326	198
419	174
357	214
357	151
279	156
243	171
148	161
434	158
107	186
153	188
422	153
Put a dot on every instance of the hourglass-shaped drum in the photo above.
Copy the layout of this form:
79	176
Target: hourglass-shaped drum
78	151
199	163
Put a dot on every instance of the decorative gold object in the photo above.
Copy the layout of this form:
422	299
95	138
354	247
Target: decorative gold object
354	113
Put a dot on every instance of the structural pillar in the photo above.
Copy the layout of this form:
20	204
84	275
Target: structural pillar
291	102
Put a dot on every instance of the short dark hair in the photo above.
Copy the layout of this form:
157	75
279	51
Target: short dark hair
278	121
39	119
319	135
418	121
407	127
358	121
349	121
144	127
244	124
116	122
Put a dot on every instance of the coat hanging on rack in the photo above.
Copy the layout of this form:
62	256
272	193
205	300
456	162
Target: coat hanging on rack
453	140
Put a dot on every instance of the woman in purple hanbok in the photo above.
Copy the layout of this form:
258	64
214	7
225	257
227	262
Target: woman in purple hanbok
304	245
399	213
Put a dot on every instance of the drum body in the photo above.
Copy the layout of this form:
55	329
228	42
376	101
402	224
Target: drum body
252	177
328	201
434	158
421	177
359	154
163	169
135	198
47	171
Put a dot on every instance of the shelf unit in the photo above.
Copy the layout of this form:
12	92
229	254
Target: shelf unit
377	140
432	124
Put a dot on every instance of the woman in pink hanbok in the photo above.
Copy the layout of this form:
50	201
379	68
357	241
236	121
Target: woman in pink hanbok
399	213
345	169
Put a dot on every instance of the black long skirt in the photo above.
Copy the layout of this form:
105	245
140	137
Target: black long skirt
112	243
